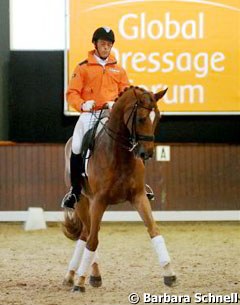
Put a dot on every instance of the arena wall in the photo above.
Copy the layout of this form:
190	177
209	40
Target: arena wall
198	177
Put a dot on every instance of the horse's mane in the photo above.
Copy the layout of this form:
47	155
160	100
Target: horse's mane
128	89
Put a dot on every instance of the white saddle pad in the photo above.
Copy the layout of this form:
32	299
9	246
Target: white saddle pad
100	127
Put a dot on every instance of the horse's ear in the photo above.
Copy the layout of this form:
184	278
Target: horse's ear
160	94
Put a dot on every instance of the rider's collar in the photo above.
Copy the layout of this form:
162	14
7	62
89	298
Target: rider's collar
92	60
101	61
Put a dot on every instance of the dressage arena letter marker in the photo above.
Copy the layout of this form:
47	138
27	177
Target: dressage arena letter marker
163	153
35	219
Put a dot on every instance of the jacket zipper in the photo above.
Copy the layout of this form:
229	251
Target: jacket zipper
108	64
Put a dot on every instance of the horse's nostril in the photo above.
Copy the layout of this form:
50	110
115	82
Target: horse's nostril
142	155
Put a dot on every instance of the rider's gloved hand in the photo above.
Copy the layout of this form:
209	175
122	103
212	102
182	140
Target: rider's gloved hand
110	104
88	105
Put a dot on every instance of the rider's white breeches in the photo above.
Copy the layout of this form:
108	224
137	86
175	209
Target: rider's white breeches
85	122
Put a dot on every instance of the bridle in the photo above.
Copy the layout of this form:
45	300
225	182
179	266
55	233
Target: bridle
134	137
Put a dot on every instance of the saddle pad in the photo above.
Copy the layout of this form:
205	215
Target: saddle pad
100	127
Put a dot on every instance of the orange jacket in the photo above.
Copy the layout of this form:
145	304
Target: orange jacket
92	81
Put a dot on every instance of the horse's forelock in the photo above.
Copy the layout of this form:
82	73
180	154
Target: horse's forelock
137	91
141	92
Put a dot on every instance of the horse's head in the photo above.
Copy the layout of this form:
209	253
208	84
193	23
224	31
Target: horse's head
141	117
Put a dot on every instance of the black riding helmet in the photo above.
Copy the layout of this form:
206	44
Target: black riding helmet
104	33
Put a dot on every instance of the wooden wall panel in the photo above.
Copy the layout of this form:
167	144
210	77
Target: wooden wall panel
31	175
198	177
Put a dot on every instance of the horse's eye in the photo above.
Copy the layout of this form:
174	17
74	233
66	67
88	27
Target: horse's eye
142	120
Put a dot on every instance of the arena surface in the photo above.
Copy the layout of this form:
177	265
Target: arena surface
206	257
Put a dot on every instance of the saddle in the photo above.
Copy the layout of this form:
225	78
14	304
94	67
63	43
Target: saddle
89	138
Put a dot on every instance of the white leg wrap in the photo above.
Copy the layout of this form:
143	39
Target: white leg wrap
77	255
86	262
96	257
161	250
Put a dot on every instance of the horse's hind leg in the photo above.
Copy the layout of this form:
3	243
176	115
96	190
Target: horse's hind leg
76	259
143	207
82	213
95	279
96	213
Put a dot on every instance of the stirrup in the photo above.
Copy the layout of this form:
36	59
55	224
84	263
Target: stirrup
149	192
70	199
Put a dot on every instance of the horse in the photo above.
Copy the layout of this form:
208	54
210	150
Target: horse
116	173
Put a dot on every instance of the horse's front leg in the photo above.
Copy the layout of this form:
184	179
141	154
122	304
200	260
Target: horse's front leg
89	255
95	279
143	207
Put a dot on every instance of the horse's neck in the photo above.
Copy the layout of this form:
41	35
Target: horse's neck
116	125
119	135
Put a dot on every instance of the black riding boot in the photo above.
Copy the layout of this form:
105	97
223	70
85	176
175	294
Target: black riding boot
76	170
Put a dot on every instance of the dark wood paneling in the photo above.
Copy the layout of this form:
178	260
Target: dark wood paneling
31	175
198	177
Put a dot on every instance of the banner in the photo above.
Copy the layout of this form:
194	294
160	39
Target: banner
190	46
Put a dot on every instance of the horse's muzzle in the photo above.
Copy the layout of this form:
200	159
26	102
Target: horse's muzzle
143	153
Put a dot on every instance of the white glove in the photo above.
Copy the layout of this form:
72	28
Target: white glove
110	104
88	105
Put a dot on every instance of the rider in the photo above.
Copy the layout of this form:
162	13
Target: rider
95	82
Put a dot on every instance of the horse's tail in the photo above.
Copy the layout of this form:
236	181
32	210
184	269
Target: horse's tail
72	225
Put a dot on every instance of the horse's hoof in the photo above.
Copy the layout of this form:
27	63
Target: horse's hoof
68	282
170	280
69	278
95	281
78	289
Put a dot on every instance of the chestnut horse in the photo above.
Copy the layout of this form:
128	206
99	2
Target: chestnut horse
116	173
